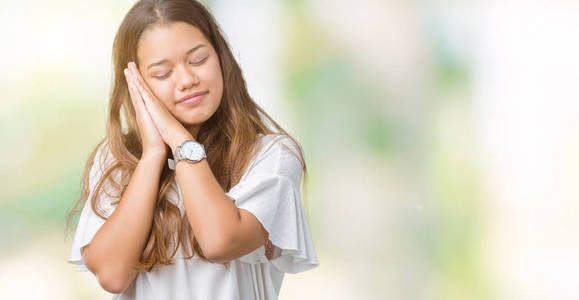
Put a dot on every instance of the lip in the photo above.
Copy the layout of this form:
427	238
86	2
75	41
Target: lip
192	98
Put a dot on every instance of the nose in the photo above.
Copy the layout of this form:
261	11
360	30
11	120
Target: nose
186	78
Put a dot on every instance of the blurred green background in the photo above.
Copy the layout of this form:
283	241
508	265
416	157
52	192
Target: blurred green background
440	136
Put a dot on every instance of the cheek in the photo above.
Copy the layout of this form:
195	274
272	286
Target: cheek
163	92
215	76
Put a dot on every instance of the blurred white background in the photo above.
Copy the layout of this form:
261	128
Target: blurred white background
441	139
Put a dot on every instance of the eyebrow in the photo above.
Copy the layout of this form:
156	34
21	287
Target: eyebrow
165	60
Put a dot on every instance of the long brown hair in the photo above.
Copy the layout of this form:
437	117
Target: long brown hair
230	136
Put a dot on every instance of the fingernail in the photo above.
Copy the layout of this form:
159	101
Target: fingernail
126	72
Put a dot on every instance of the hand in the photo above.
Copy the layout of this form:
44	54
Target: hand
171	130
153	144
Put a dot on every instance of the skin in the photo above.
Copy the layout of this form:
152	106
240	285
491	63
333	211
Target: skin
180	74
224	231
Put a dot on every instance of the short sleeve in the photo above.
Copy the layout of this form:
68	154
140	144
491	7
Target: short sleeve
270	191
89	222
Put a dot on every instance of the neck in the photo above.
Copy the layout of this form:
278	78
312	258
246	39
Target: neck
194	130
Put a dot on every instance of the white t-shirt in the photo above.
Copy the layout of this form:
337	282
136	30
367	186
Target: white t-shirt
269	189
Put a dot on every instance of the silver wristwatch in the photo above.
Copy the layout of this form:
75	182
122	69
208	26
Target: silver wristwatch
189	150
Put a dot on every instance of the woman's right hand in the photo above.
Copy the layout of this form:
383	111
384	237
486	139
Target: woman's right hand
153	144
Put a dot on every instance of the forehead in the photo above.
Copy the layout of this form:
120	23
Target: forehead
168	41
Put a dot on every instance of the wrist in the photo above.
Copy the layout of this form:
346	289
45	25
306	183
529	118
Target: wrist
178	140
153	158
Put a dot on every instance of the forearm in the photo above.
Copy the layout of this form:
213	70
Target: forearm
118	244
211	214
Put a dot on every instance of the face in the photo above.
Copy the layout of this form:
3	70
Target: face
177	61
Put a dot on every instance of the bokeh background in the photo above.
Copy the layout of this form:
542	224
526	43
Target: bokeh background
441	139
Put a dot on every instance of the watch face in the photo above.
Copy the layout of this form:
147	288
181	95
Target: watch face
192	150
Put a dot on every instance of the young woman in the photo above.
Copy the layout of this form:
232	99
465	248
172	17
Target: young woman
157	222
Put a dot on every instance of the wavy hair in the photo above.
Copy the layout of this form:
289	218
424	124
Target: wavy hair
230	135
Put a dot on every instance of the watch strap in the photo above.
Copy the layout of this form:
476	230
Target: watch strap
171	164
176	158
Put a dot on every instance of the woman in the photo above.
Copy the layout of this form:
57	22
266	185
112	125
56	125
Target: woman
158	223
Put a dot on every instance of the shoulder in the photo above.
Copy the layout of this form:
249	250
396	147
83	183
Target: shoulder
277	154
103	161
275	142
103	158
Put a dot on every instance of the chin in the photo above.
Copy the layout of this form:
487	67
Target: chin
193	121
190	122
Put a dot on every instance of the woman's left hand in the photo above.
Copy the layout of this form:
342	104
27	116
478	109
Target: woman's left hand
170	129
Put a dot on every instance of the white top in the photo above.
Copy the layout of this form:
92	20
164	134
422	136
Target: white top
270	190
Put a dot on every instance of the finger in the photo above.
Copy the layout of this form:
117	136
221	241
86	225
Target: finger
138	104
131	89
142	115
137	86
149	100
138	79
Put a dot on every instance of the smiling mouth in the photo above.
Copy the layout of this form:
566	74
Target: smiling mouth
193	98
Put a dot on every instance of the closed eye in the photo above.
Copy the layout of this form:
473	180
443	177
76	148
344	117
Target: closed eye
200	61
163	76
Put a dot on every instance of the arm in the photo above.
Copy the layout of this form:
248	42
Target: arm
116	247
223	231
